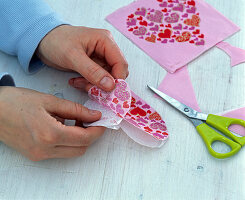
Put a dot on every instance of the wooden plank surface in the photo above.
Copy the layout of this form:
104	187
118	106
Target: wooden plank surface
115	167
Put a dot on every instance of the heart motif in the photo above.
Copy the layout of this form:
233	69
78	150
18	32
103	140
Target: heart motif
155	28
151	39
184	37
179	27
158	125
164	4
156	17
138	111
142	31
166	34
174	21
141	12
174	17
121	91
132	22
155	116
180	8
194	21
191	10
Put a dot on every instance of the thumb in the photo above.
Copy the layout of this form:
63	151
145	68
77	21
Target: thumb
93	72
70	110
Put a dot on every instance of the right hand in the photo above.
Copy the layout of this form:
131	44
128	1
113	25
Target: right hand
28	123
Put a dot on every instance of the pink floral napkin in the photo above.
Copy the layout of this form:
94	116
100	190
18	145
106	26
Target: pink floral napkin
124	105
172	32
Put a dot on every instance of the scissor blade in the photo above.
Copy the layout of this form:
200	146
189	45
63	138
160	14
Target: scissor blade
186	110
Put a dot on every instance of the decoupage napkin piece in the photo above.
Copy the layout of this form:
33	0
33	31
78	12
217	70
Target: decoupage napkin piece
172	32
122	106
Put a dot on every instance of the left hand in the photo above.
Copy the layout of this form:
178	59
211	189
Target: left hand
91	52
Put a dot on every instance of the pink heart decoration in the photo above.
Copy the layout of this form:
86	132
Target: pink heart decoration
141	12
174	17
142	31
157	17
174	20
131	108
180	8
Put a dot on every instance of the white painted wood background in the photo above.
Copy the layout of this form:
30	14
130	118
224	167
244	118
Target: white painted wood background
115	167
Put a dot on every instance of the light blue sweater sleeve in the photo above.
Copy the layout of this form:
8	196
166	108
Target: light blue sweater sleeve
23	24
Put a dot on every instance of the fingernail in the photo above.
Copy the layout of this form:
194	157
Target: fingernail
71	81
107	82
94	112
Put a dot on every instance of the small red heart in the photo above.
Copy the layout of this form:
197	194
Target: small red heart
140	18
201	36
161	25
168	26
166	34
161	30
125	104
159	39
148	111
159	0
197	14
170	1
136	27
115	100
131	16
131	29
138	9
192	41
191	3
128	114
196	32
173	36
147	129
165	10
138	111
143	23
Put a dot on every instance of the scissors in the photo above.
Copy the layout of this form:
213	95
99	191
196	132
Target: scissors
205	124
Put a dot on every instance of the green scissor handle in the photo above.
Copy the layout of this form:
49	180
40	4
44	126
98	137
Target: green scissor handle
222	124
209	136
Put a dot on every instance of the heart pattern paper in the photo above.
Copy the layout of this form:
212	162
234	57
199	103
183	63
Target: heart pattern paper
173	21
127	105
172	32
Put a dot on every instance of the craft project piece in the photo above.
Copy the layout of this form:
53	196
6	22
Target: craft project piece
172	32
138	117
237	55
179	86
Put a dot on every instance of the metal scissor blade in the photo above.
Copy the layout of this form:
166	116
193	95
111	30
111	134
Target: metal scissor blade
186	110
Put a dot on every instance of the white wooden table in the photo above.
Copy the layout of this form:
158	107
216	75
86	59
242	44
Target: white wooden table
115	167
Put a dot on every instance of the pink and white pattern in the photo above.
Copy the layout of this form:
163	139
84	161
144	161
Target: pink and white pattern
131	108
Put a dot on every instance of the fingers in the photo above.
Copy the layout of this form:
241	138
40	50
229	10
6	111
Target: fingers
68	152
93	72
109	50
80	83
77	136
70	110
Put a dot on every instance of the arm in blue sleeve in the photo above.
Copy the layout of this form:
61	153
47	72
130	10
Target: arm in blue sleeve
23	24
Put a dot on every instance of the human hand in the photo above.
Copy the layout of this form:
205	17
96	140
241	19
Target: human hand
28	123
91	52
